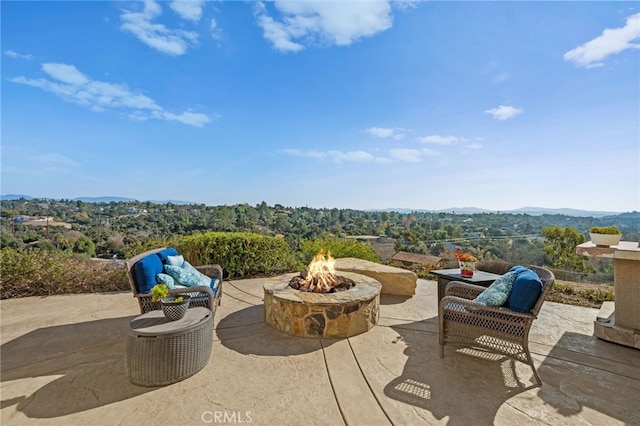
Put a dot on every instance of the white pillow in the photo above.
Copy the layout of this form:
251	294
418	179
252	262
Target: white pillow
175	260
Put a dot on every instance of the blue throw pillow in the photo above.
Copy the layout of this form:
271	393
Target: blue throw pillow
214	284
175	260
163	254
146	270
498	292
166	280
187	275
526	291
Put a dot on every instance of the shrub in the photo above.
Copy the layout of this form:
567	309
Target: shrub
240	254
610	230
338	248
41	273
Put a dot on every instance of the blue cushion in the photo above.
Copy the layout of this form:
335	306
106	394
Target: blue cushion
146	270
498	292
166	280
187	275
519	268
526	291
163	254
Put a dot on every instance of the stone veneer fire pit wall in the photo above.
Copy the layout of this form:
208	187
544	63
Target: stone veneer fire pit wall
330	315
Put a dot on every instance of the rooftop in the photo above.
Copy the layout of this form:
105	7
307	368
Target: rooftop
63	363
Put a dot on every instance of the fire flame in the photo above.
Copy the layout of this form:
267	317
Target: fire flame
322	271
320	276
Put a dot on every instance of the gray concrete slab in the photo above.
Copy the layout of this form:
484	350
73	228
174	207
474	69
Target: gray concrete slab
62	363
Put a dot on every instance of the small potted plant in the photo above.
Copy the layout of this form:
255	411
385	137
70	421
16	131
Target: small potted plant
174	307
605	235
467	262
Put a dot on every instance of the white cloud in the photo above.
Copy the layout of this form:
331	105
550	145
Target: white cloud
351	156
406	4
504	112
440	140
65	73
379	132
216	32
612	41
382	132
307	154
277	34
430	152
188	9
406	155
337	156
54	159
474	145
12	54
305	23
156	36
383	160
71	85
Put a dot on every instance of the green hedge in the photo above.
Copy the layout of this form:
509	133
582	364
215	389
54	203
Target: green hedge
338	248
42	273
240	254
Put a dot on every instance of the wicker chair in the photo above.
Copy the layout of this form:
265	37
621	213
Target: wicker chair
497	329
200	296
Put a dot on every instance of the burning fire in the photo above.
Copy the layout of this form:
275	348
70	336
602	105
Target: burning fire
320	276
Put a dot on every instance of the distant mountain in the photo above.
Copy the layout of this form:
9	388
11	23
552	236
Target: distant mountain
177	202
11	197
464	210
104	199
532	211
538	211
128	200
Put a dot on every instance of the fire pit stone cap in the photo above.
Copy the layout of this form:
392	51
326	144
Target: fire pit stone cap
366	288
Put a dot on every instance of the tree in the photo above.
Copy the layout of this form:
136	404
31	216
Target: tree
85	245
561	248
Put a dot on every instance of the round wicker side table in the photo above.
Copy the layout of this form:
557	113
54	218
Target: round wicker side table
160	352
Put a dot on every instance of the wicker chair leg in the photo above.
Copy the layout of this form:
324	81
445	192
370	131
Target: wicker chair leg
535	373
533	367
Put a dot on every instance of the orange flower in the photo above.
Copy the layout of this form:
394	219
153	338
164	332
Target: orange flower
464	257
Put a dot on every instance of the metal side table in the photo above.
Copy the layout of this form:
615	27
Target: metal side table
160	352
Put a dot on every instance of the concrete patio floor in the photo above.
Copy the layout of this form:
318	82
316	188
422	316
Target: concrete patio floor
62	362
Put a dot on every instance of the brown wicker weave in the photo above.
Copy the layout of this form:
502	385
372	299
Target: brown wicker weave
497	329
200	296
160	352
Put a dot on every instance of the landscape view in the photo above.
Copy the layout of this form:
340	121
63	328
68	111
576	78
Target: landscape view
319	212
308	120
114	230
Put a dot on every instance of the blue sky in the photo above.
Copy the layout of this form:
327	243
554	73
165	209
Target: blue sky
362	104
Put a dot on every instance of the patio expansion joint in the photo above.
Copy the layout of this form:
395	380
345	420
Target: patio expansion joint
333	388
238	299
230	284
354	395
368	383
588	360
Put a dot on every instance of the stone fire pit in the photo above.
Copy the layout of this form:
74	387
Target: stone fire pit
330	315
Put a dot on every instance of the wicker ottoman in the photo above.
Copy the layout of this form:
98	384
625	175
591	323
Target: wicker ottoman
160	352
